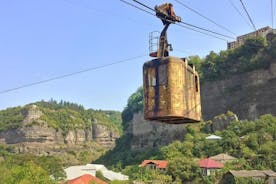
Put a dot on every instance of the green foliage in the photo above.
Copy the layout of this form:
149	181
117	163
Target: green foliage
254	54
134	104
252	142
64	116
183	168
147	175
28	169
11	118
100	175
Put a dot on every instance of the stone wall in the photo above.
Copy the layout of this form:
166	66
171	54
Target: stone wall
248	95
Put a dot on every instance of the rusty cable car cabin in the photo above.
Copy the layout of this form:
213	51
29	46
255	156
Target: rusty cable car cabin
171	85
171	91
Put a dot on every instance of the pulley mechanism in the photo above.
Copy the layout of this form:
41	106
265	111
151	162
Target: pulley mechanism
167	15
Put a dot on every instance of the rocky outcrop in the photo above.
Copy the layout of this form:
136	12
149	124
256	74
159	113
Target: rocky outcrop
104	135
152	134
220	122
37	137
248	95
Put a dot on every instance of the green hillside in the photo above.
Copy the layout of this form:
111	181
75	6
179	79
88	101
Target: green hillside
61	115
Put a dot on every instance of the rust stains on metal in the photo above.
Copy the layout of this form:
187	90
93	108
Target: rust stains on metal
171	91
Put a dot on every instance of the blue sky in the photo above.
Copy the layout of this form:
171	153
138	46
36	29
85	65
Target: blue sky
41	39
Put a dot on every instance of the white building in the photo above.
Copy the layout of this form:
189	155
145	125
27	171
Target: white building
77	171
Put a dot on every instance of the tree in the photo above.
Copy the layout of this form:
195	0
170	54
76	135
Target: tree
183	168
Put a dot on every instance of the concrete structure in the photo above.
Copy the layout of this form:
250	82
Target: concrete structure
73	172
77	171
241	39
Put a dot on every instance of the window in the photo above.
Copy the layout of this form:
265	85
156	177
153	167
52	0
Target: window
196	83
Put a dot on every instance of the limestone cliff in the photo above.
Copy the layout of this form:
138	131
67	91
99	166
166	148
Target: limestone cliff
151	134
36	136
248	95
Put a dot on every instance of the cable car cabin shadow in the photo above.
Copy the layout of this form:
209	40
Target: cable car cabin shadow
171	91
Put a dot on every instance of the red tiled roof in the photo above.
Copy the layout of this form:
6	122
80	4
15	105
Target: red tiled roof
209	163
161	164
85	179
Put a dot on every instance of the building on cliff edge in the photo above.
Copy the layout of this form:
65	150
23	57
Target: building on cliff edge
241	39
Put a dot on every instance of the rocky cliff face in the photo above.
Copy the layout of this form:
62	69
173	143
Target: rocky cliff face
150	134
248	95
37	137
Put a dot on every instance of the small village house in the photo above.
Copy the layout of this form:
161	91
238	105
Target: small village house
155	164
208	166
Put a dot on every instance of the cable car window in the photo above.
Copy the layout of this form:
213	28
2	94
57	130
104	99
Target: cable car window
151	77
196	83
162	71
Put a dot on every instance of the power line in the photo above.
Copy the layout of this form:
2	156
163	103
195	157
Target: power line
243	5
239	12
69	74
210	20
106	12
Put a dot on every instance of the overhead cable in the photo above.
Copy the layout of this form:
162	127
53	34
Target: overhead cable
272	14
207	30
210	20
239	12
253	25
187	24
130	4
69	74
201	32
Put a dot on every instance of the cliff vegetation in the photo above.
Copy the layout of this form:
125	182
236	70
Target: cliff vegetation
256	53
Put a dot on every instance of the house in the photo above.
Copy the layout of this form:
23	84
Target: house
155	164
86	179
223	158
265	176
209	165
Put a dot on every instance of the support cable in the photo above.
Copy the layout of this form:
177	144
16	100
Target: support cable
239	12
130	4
201	32
210	20
187	24
253	25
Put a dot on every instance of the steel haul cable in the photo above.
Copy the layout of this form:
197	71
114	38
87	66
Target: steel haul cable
253	25
210	20
187	24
